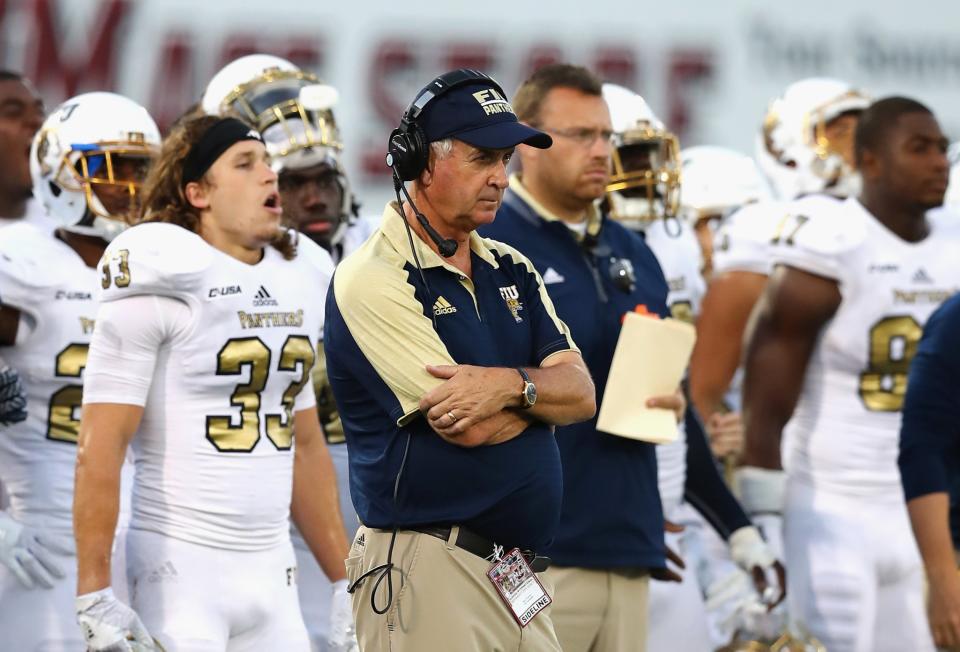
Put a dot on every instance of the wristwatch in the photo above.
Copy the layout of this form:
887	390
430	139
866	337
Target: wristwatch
529	392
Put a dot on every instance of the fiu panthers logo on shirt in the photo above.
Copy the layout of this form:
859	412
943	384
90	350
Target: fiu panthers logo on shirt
512	298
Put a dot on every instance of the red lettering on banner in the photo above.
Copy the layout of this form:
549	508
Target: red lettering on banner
59	74
390	60
617	65
686	68
236	46
302	51
392	65
305	52
174	80
478	56
540	56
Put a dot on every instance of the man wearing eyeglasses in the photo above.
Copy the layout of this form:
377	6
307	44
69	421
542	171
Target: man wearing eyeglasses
611	530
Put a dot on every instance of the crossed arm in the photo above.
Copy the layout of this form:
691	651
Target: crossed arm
486	402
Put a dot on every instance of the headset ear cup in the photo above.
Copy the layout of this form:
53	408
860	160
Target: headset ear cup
420	150
398	153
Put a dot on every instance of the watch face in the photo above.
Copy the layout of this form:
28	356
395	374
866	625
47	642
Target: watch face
530	394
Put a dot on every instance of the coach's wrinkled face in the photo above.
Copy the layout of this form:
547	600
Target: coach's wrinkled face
238	197
464	187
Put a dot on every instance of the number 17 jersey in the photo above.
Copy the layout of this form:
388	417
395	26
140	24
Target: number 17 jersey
844	432
219	354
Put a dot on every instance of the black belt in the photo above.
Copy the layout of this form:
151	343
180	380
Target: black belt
481	547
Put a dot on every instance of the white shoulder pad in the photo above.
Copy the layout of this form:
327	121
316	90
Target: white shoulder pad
157	259
317	257
743	241
818	234
26	254
944	221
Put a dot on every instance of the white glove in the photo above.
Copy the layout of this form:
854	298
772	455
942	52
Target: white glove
761	490
13	400
750	551
343	633
29	554
108	625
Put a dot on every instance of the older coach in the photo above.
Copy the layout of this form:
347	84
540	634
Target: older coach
450	366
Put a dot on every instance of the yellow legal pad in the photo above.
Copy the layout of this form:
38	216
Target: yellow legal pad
650	359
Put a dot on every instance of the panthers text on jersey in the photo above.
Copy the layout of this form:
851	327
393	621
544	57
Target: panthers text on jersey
220	382
843	433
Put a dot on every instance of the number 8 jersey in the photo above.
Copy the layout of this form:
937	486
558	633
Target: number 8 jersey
843	435
219	354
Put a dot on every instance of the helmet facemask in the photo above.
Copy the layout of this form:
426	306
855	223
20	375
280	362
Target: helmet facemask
645	181
797	153
110	176
290	108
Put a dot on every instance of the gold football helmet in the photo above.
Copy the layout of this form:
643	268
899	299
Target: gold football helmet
645	180
289	106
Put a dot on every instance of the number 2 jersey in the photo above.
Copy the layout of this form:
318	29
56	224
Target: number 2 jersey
55	293
219	354
843	435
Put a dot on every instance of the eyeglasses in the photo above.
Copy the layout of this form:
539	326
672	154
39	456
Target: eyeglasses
581	135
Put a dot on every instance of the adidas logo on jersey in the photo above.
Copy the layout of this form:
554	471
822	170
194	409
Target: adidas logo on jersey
443	307
921	276
166	572
263	298
552	276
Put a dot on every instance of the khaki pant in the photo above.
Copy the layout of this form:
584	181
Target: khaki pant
442	600
600	610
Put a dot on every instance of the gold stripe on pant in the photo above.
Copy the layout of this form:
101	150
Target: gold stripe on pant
442	600
600	610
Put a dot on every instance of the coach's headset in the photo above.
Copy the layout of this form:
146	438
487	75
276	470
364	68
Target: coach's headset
408	150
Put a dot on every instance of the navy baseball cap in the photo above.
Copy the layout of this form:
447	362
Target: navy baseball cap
479	115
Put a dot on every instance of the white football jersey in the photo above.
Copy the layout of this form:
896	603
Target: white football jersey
35	215
678	252
214	451
843	435
744	241
355	235
55	292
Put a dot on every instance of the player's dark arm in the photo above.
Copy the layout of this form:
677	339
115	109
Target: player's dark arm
9	323
105	432
720	326
705	489
788	318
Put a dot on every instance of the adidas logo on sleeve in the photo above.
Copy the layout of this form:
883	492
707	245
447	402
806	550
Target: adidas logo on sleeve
443	307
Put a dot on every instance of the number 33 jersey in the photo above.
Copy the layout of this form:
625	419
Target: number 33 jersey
844	432
55	292
219	353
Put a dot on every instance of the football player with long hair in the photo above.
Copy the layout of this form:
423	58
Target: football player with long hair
202	359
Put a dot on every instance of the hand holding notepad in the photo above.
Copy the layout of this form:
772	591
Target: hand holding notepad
650	359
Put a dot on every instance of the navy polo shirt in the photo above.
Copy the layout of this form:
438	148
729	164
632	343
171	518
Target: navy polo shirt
930	430
383	326
611	514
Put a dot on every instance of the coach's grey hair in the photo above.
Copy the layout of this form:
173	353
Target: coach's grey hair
442	148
